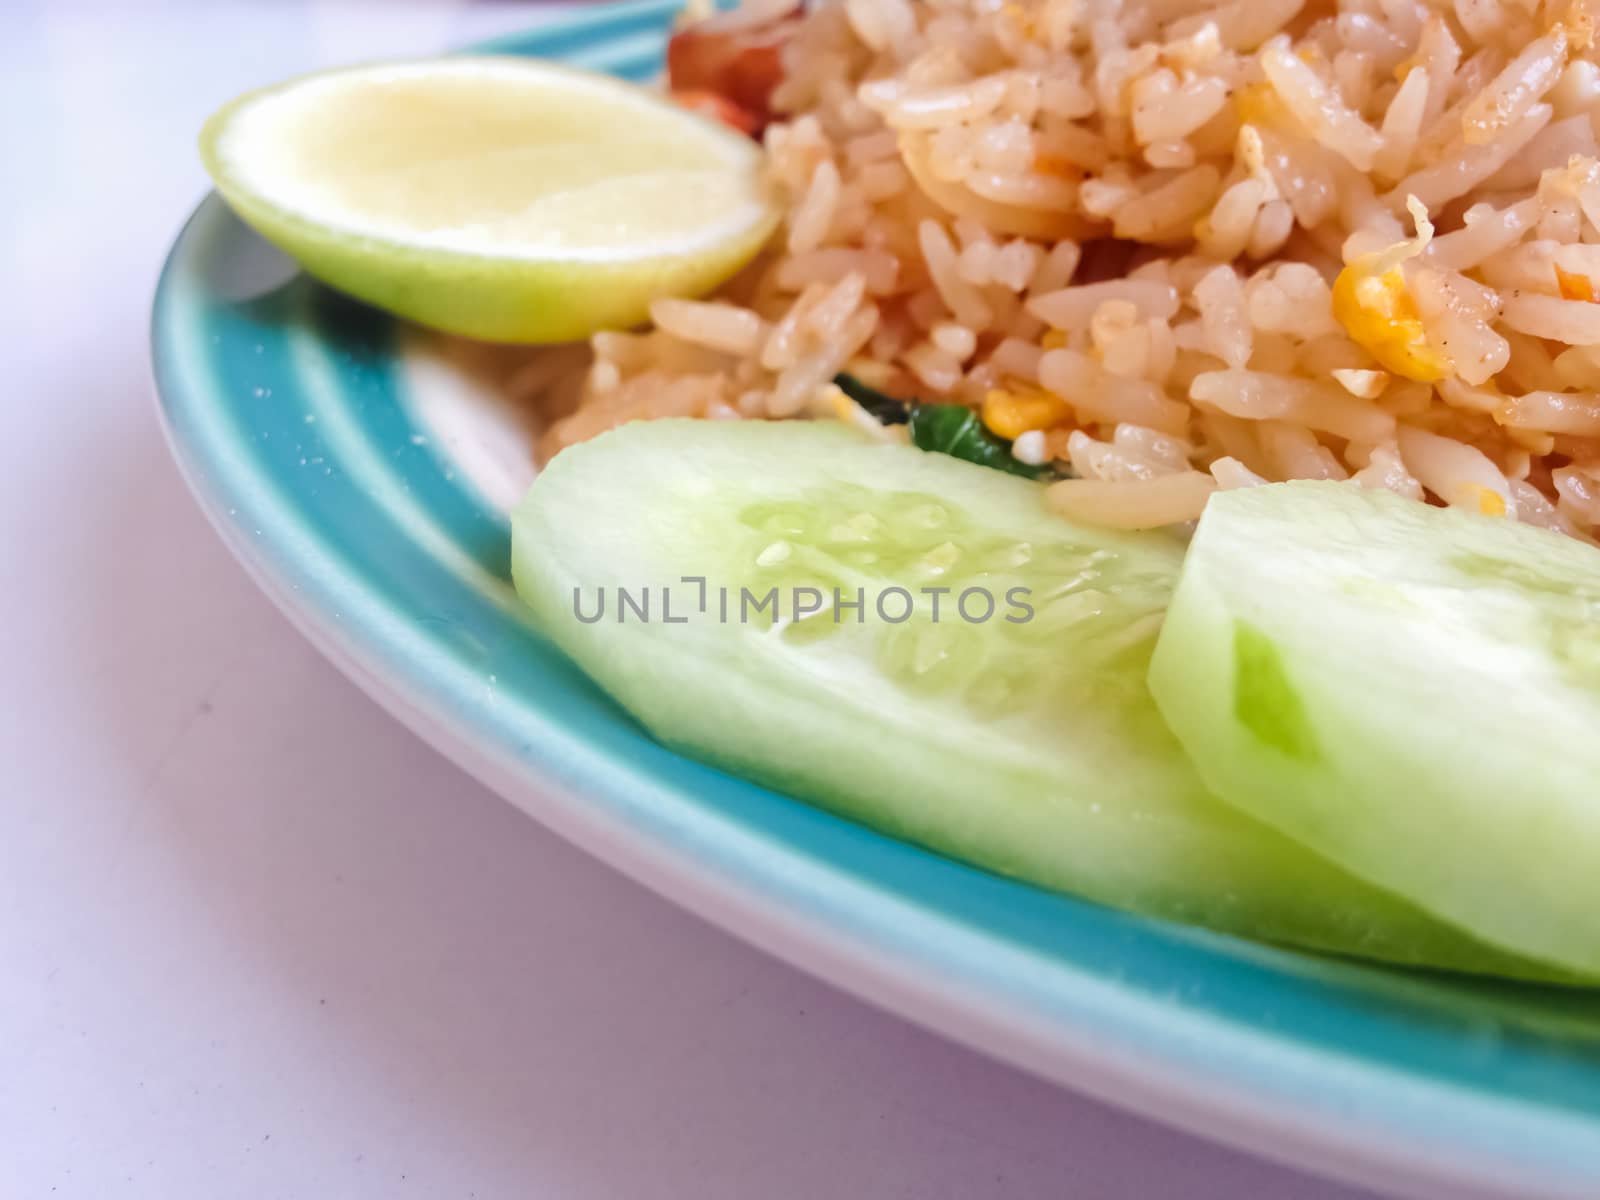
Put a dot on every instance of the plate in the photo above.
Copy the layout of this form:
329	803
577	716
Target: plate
361	472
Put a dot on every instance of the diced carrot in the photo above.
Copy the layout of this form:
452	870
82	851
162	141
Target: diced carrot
1574	286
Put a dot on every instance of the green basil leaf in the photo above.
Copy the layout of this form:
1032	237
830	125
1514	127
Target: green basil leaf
945	429
957	431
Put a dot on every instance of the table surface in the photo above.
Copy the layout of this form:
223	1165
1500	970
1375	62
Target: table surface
258	941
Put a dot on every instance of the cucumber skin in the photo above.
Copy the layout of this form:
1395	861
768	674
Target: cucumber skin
1160	846
1406	755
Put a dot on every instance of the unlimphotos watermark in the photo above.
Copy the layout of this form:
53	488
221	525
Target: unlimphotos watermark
784	605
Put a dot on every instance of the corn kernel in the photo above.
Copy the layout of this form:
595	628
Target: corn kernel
1054	339
1012	413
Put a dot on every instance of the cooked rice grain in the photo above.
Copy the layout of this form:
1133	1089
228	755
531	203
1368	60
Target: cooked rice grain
1144	208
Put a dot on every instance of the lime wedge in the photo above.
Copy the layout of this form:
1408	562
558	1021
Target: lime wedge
501	198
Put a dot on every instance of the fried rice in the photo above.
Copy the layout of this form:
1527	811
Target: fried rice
1174	246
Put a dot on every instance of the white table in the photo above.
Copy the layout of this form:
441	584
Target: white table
257	941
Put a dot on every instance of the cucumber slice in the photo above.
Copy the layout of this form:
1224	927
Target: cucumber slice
1028	747
1414	691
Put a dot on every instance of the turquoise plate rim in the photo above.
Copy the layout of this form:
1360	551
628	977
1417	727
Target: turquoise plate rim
1375	1076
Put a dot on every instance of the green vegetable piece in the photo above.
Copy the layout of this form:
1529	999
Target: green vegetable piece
959	432
987	699
944	429
1413	691
881	407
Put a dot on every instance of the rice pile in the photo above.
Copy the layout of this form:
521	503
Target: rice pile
1179	246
